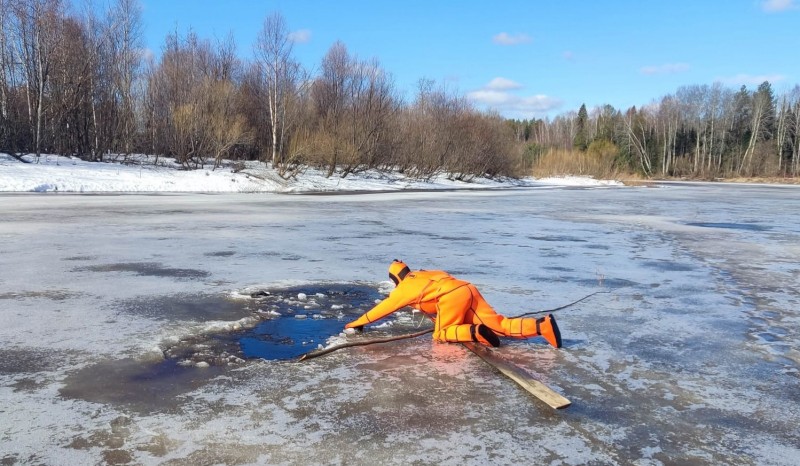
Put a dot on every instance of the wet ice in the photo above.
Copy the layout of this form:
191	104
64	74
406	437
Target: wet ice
689	358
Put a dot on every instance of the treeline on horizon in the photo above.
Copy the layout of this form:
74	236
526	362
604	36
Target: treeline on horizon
78	83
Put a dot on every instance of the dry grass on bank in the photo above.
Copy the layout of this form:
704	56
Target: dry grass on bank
761	179
600	161
597	161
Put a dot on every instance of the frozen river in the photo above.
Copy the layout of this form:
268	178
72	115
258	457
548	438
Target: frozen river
689	357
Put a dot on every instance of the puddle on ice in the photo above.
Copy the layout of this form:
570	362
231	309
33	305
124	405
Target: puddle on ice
283	324
142	386
186	306
21	361
151	269
731	226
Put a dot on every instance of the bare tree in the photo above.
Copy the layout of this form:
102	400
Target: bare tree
37	33
761	120
638	134
370	106
783	130
6	60
329	93
69	93
192	101
666	117
795	131
124	29
282	77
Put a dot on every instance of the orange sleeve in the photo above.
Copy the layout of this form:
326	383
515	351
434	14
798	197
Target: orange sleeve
397	299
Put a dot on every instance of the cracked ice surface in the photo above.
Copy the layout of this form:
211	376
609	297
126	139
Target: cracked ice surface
689	357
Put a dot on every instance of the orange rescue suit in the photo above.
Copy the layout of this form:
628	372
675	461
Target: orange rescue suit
455	305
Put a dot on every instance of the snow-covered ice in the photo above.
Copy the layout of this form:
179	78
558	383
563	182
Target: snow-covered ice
689	357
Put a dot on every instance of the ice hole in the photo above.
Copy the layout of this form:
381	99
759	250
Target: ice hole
288	322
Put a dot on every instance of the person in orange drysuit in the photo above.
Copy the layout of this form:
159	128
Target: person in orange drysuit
460	313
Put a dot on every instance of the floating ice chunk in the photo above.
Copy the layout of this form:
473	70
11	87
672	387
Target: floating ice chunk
320	295
337	306
300	316
216	327
172	340
302	296
349	331
270	313
202	364
154	354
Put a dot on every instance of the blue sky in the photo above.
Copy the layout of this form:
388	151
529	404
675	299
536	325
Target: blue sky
525	59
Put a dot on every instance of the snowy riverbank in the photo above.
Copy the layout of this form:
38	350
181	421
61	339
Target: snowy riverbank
63	174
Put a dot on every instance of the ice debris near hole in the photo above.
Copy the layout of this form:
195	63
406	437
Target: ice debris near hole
302	296
154	354
269	313
172	340
300	316
227	326
320	295
349	331
337	306
202	364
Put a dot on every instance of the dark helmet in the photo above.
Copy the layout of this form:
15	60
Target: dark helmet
398	271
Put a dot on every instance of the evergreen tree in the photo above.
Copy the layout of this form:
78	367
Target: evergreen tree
766	97
581	140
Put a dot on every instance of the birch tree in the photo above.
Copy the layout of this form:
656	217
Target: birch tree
782	130
282	78
794	131
37	33
761	123
6	67
125	54
638	136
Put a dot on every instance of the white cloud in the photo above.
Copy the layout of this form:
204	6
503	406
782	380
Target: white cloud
751	79
301	36
667	68
775	6
496	97
507	39
502	84
147	54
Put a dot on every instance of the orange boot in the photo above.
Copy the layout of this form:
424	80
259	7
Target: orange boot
547	327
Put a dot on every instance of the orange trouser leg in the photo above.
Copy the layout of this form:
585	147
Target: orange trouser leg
451	310
481	312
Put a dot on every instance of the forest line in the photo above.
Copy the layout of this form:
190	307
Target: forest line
78	83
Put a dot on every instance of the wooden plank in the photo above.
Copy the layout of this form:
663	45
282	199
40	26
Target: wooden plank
536	388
